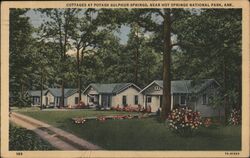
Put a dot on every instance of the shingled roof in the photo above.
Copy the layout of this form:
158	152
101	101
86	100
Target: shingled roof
185	86
112	88
57	92
34	93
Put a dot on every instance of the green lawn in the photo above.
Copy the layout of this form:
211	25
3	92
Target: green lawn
139	134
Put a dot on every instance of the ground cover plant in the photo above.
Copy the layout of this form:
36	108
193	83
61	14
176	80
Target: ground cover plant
22	139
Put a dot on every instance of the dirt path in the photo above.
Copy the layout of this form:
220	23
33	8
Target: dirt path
60	139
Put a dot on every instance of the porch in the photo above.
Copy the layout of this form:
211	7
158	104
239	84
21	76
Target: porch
103	100
155	101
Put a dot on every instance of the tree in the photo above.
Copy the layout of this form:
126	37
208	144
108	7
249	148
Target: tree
161	22
58	28
43	65
211	47
20	49
87	36
133	45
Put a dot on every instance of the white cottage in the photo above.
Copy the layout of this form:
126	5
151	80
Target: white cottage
53	97
35	97
108	95
194	94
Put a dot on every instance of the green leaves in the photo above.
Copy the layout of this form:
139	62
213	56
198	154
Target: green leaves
22	139
20	50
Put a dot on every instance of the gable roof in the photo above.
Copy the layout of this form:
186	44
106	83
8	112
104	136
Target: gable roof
57	92
185	86
112	88
34	93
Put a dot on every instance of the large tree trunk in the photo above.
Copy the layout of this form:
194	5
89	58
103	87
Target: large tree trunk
166	99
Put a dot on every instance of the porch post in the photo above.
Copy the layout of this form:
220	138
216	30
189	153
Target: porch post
144	101
172	101
100	99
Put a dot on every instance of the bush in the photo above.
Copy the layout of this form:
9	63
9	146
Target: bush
235	117
184	122
22	139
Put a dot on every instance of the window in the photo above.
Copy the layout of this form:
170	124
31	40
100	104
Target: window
136	99
124	100
204	99
76	100
36	100
149	99
157	88
183	100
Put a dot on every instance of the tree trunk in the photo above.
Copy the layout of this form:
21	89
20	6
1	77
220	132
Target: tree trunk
41	96
166	99
78	74
225	90
62	98
22	90
64	56
79	89
137	57
136	66
240	89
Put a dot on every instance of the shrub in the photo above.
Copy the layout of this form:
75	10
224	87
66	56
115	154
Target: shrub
235	117
22	139
184	122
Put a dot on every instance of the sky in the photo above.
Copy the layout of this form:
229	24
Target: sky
36	21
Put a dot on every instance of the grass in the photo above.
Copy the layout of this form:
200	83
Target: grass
23	139
139	134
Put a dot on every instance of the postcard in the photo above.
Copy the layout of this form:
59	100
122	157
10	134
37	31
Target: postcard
125	79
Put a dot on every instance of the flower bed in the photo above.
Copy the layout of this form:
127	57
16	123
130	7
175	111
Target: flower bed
79	120
81	105
82	120
184	122
131	108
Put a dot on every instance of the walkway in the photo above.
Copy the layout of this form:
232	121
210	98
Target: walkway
60	139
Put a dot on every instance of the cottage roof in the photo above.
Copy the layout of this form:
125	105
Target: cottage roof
185	86
34	93
112	88
57	92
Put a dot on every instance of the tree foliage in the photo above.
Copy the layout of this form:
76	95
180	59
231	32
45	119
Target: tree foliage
182	43
19	52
